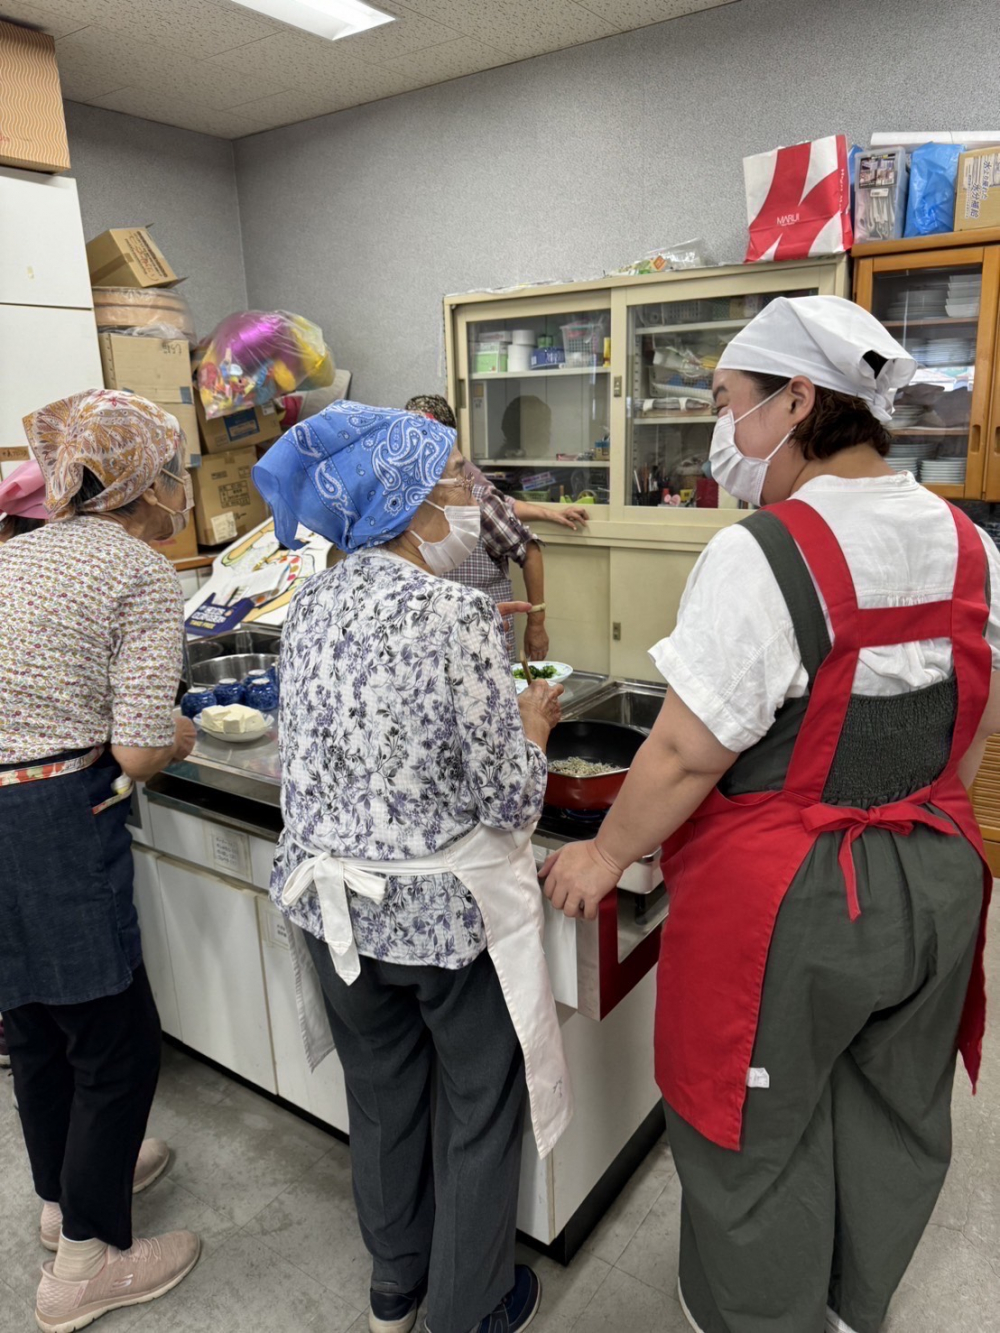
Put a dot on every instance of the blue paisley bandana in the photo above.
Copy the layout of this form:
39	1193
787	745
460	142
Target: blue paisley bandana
355	475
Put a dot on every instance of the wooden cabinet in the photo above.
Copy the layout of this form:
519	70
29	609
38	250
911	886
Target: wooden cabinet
939	296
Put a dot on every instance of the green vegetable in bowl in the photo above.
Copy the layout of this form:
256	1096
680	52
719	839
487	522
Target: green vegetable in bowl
537	673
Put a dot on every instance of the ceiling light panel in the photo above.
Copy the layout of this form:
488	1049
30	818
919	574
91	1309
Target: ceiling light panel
331	19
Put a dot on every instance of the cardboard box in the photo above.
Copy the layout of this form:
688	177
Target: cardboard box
226	502
32	123
158	369
237	430
128	257
977	200
183	547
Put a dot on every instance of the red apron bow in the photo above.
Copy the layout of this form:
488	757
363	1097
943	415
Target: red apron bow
899	817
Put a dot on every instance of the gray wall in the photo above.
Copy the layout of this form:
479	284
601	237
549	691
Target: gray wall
567	165
134	171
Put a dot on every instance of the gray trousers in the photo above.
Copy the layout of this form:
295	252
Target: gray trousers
437	1201
845	1153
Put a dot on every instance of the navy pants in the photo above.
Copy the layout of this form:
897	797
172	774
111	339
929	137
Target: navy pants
81	1022
85	1075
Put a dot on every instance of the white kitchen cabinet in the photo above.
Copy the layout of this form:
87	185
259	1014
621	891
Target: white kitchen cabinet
43	258
207	842
212	935
155	947
47	353
321	1093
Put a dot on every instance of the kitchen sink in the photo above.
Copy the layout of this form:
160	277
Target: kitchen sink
633	703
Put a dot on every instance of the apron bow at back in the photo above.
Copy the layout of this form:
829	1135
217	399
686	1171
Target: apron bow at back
899	817
331	877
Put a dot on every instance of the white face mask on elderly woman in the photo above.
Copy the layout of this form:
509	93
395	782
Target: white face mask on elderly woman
736	472
462	539
178	517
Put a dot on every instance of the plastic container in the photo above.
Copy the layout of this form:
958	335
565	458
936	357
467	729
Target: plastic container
583	343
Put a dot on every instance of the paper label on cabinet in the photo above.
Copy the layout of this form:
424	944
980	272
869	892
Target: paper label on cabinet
228	851
275	930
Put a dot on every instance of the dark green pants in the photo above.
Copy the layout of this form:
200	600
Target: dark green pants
845	1152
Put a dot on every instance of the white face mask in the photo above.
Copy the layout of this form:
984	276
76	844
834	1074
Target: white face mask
178	517
737	473
462	539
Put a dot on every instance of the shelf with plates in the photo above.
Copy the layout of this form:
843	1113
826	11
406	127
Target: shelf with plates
947	320
940	297
926	431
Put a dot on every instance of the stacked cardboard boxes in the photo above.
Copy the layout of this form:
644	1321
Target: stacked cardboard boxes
221	452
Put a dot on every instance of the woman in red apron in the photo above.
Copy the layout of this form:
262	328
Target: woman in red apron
830	696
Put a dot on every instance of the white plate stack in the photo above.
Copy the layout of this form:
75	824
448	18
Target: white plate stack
921	303
944	352
906	415
943	471
963	296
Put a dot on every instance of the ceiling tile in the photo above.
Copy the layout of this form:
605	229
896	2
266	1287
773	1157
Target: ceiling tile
203	27
206	87
270	112
287	55
132	62
162	107
522	27
629	14
409	32
450	60
53	22
86	83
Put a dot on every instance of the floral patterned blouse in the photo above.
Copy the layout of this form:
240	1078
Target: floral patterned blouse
399	733
90	640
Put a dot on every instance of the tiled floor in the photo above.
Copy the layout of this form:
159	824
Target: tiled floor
270	1196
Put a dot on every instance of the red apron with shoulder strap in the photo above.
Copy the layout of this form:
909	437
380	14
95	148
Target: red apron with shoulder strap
728	869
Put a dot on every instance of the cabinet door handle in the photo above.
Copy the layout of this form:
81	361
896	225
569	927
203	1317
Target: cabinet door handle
975	437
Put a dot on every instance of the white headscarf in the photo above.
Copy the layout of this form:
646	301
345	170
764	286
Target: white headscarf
826	339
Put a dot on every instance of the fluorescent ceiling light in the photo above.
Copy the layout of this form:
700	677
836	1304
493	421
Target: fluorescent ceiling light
326	18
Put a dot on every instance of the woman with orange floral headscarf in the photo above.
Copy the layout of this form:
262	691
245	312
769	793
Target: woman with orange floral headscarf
90	649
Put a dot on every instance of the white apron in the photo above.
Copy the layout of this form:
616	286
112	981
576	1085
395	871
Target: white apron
498	869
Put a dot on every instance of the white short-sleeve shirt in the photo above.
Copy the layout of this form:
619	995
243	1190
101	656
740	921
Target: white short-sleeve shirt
733	657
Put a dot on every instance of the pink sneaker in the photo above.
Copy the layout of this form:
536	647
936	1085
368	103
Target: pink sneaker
148	1270
154	1158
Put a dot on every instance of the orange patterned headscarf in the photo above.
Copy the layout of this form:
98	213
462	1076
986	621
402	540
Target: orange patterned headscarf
123	439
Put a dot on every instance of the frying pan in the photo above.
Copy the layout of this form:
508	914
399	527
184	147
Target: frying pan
600	743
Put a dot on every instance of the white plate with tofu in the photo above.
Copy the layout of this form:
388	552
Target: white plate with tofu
234	723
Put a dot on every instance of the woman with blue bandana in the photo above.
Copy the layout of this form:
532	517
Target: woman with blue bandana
412	777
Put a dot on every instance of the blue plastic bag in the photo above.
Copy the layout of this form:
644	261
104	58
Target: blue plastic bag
933	181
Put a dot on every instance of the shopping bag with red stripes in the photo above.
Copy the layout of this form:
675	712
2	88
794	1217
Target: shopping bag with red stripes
799	200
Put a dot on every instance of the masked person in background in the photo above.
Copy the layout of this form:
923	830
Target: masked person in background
503	537
834	675
412	776
90	648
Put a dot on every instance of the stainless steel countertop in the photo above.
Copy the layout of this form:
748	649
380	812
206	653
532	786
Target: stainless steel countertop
252	770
